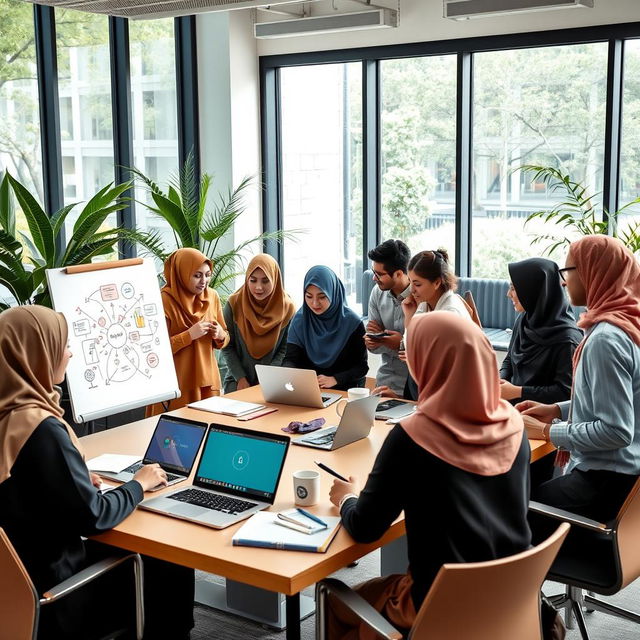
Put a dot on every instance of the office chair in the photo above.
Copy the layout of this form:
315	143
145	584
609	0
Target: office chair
494	600
471	303
19	601
610	563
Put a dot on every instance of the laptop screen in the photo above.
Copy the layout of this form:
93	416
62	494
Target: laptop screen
242	462
175	444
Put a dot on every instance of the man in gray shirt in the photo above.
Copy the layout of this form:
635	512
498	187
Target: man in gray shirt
389	264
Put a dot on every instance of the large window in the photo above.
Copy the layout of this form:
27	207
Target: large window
630	156
322	172
19	112
418	151
85	107
153	99
544	107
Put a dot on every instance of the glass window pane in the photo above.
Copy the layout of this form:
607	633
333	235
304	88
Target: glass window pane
322	172
419	151
630	156
85	109
154	107
542	106
20	152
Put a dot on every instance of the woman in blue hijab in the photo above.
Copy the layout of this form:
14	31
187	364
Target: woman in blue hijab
326	335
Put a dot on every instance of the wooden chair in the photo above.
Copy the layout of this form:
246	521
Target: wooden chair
473	309
607	562
495	600
19	601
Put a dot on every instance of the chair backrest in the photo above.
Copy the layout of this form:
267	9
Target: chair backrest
627	528
495	600
490	296
473	310
19	602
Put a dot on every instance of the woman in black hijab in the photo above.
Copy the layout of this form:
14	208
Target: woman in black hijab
538	365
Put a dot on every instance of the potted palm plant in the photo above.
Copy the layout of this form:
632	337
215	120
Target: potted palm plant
579	213
24	276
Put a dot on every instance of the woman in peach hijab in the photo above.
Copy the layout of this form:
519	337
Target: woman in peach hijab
458	469
196	327
49	499
258	316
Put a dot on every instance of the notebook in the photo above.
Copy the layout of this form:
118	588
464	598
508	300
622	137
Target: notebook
238	474
263	530
286	385
174	445
226	406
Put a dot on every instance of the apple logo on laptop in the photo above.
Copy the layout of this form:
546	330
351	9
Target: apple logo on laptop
289	387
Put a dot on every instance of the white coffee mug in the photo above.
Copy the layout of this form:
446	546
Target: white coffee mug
306	487
355	393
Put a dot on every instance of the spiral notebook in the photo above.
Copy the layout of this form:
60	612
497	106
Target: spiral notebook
263	530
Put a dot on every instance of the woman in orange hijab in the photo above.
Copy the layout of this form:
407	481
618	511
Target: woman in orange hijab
258	316
196	327
466	461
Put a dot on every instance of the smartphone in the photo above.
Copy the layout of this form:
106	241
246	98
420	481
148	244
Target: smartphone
377	336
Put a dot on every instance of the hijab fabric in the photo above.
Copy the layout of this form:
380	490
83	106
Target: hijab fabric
260	322
32	344
547	319
611	277
324	336
188	308
449	356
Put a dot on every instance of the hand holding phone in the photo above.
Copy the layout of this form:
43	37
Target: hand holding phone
377	336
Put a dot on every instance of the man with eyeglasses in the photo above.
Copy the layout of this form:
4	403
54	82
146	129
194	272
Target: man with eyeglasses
389	265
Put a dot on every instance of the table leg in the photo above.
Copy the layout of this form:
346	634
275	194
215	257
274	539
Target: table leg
293	617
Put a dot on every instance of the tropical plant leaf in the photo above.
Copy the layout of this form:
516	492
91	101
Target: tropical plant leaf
174	215
151	241
34	256
7	210
58	218
146	181
37	221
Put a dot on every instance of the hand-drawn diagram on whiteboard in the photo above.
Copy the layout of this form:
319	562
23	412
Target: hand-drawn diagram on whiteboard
118	334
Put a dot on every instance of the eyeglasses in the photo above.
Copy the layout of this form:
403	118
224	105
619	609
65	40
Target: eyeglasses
379	276
562	271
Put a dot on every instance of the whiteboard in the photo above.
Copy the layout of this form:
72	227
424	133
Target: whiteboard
118	336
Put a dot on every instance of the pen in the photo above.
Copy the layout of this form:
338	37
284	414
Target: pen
331	471
312	517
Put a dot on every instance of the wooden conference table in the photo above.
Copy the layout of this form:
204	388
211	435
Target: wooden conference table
210	550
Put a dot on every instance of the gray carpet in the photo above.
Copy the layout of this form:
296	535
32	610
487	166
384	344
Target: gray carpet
212	624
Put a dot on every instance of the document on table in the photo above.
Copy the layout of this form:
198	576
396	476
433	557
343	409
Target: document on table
113	462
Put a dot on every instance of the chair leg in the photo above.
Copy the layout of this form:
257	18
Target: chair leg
598	605
589	609
576	607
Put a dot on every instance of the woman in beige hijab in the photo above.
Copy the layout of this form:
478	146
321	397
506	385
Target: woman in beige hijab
48	498
257	316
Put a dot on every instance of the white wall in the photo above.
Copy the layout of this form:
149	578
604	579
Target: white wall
421	21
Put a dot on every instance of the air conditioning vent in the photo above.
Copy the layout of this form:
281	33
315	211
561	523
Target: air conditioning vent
465	9
374	19
145	9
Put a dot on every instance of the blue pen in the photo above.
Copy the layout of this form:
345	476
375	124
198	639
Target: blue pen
312	517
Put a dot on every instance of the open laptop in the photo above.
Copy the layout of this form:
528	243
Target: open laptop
174	446
392	409
355	424
286	385
238	475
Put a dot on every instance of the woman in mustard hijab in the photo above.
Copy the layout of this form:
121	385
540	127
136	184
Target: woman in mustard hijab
49	499
258	316
196	327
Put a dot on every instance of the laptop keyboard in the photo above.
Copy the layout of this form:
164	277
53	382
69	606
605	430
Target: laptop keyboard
134	468
213	501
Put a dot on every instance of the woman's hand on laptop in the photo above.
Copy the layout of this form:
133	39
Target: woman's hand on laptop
150	476
327	382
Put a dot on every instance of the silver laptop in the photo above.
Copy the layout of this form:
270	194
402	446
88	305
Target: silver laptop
238	474
174	446
355	424
392	409
286	385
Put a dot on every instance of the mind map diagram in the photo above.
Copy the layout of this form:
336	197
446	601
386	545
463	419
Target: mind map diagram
117	334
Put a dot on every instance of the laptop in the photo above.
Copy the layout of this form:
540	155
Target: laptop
238	475
286	385
174	446
392	409
355	424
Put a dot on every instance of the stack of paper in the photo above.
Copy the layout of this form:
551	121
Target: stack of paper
112	462
226	406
